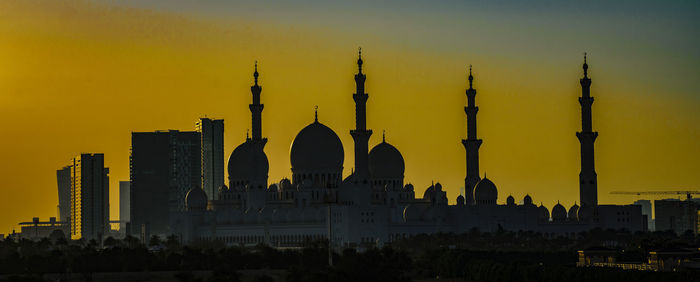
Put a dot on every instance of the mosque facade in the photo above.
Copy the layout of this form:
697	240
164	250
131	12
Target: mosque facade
373	205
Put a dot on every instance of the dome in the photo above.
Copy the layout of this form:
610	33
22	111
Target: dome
585	213
408	187
438	187
510	201
485	192
429	193
573	212
385	162
460	200
558	212
247	163
196	199
543	213
527	200
316	149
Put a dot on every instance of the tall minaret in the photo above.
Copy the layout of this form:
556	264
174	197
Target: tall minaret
256	110
587	177
360	134
471	144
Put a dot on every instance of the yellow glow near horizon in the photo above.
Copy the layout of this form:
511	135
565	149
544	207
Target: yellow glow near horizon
80	77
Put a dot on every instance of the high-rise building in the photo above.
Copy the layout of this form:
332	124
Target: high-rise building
164	166
646	210
679	216
124	201
212	151
89	197
64	184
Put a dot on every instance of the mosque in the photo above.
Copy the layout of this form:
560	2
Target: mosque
373	205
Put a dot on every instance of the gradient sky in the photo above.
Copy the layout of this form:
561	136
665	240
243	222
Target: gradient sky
80	76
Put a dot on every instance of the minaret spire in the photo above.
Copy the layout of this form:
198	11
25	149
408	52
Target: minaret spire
360	134
316	114
256	108
588	179
472	143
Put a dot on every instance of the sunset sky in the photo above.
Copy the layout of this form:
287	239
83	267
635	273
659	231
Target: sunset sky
80	76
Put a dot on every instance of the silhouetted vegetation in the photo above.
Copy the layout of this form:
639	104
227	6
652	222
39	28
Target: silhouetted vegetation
472	256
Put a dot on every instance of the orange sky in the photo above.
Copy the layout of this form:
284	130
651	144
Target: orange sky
80	76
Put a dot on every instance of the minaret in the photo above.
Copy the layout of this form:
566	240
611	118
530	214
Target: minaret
587	177
360	134
471	144
256	110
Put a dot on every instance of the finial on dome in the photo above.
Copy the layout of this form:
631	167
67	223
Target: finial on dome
316	114
585	65
383	136
359	59
247	137
471	78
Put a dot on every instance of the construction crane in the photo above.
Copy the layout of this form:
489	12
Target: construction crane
688	193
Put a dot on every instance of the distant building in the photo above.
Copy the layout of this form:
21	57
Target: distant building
63	179
646	210
212	151
36	230
124	207
676	215
164	166
89	195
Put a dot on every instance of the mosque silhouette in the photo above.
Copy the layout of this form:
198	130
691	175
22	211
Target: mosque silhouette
373	206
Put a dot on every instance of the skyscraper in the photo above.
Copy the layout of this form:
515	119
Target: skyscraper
64	187
124	201
89	194
164	166
212	151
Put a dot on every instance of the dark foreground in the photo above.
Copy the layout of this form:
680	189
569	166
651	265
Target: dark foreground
473	256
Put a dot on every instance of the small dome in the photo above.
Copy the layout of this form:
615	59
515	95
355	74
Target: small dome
543	213
411	213
438	187
585	213
485	192
196	199
573	212
510	200
316	149
408	187
247	163
273	187
558	212
223	189
429	193
385	162
527	200
286	185
460	200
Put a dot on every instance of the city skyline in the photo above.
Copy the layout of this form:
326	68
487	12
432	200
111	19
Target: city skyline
440	93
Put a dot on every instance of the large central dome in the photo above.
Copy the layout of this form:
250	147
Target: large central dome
316	149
